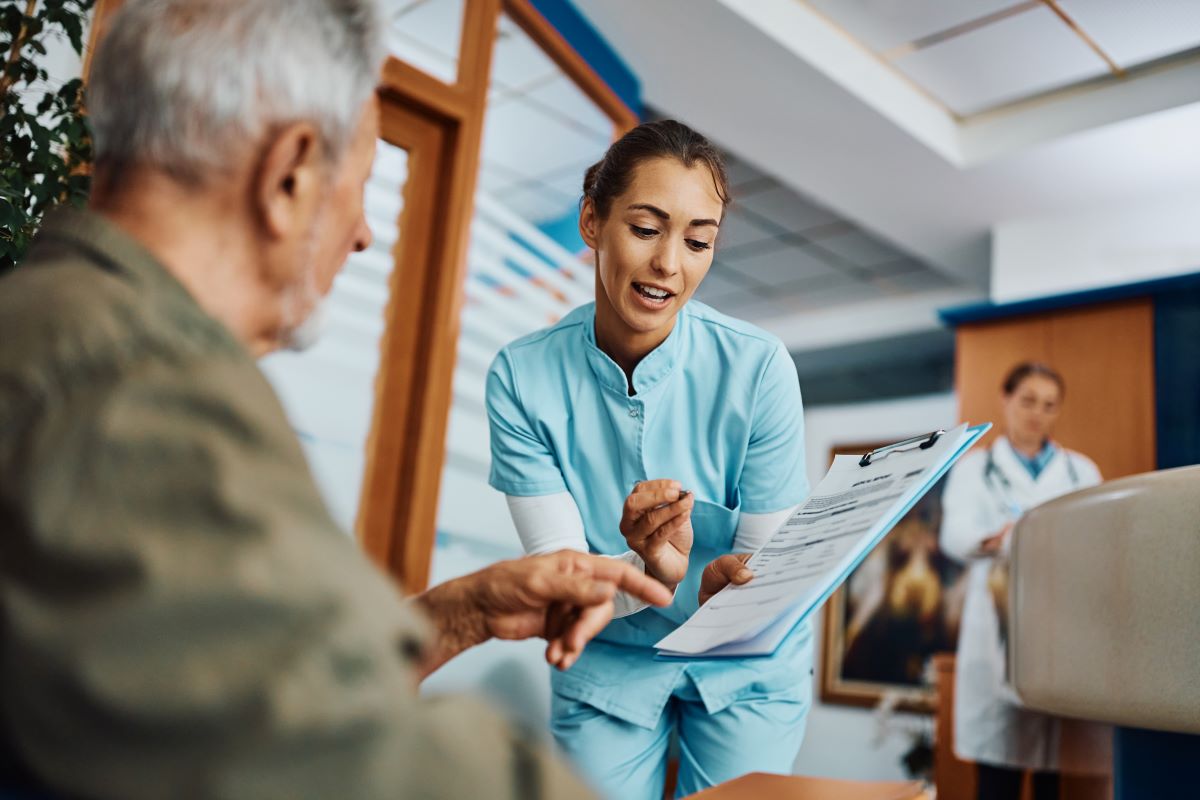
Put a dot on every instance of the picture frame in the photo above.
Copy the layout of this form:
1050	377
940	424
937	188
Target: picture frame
896	610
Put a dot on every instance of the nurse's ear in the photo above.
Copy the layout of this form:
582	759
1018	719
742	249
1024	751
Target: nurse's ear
589	224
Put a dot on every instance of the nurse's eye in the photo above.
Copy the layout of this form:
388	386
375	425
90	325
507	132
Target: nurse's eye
698	245
645	233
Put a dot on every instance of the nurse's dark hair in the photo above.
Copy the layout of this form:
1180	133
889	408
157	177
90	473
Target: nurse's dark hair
608	178
1017	375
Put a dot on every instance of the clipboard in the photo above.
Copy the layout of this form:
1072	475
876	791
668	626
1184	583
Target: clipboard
804	529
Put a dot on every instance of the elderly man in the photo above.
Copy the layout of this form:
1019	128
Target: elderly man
181	617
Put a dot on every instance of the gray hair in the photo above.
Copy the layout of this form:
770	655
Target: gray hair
186	85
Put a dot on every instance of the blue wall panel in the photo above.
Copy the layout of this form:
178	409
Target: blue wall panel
1177	377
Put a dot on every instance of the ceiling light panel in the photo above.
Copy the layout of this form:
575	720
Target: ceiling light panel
885	24
1134	33
1015	58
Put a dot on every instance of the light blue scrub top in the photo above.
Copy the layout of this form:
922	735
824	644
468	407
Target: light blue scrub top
716	407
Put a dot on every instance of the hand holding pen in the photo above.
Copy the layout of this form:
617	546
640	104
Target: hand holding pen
656	522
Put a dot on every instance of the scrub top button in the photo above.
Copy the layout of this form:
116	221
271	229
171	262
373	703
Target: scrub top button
633	412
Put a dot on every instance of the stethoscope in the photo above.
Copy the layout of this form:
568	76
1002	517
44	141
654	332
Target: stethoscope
1001	488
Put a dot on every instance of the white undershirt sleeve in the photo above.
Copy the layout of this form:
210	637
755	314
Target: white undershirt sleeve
549	523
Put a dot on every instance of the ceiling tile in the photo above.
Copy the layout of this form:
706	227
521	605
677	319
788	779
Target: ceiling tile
726	298
517	62
536	204
493	177
525	140
428	35
822	298
1134	33
780	265
719	283
740	172
564	97
921	280
1018	57
749	308
884	24
817	283
860	248
787	209
737	230
568	180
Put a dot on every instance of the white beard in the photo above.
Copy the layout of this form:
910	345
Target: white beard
306	335
304	316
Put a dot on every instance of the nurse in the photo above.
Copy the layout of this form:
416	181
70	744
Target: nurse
648	427
985	494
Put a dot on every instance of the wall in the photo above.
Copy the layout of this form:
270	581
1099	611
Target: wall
842	742
1106	356
1050	256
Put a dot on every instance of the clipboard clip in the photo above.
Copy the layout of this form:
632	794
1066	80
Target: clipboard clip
922	442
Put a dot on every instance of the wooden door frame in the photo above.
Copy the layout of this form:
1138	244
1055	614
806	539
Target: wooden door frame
398	510
441	125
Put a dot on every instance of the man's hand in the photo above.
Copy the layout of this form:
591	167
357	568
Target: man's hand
565	598
723	571
657	525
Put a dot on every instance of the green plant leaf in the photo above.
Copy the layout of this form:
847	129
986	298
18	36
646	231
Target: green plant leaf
44	150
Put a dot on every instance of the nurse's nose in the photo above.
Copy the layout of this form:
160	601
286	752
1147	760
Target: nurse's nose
667	257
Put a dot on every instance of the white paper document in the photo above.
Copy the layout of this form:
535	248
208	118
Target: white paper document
803	562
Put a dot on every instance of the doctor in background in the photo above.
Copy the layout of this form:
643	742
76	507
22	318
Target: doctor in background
985	495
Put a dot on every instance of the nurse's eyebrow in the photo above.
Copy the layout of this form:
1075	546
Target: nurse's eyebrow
664	216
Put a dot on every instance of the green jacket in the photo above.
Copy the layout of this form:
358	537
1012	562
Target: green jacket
179	616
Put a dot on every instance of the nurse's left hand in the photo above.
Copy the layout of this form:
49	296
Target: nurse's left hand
723	571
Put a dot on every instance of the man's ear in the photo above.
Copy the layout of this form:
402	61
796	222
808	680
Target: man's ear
589	223
288	181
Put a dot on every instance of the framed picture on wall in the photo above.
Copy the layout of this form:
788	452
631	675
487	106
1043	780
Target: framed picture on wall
899	608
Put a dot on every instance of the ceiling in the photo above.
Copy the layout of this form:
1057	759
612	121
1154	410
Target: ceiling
780	253
971	56
541	131
790	93
871	151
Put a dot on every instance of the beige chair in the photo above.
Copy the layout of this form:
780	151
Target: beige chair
1104	603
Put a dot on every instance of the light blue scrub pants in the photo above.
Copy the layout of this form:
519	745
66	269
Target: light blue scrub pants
758	732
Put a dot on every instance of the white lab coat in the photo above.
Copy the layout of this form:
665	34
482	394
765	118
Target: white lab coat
989	725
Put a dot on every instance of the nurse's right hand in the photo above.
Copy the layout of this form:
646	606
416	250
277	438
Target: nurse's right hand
657	525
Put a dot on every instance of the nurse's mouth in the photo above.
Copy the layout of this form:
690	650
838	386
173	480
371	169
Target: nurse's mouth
652	297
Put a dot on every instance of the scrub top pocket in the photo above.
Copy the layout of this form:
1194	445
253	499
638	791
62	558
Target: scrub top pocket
713	529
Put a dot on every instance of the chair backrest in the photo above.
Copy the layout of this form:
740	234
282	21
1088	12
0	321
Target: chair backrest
1103	603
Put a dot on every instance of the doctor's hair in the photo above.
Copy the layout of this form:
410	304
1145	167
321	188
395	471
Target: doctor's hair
185	86
1017	375
609	177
